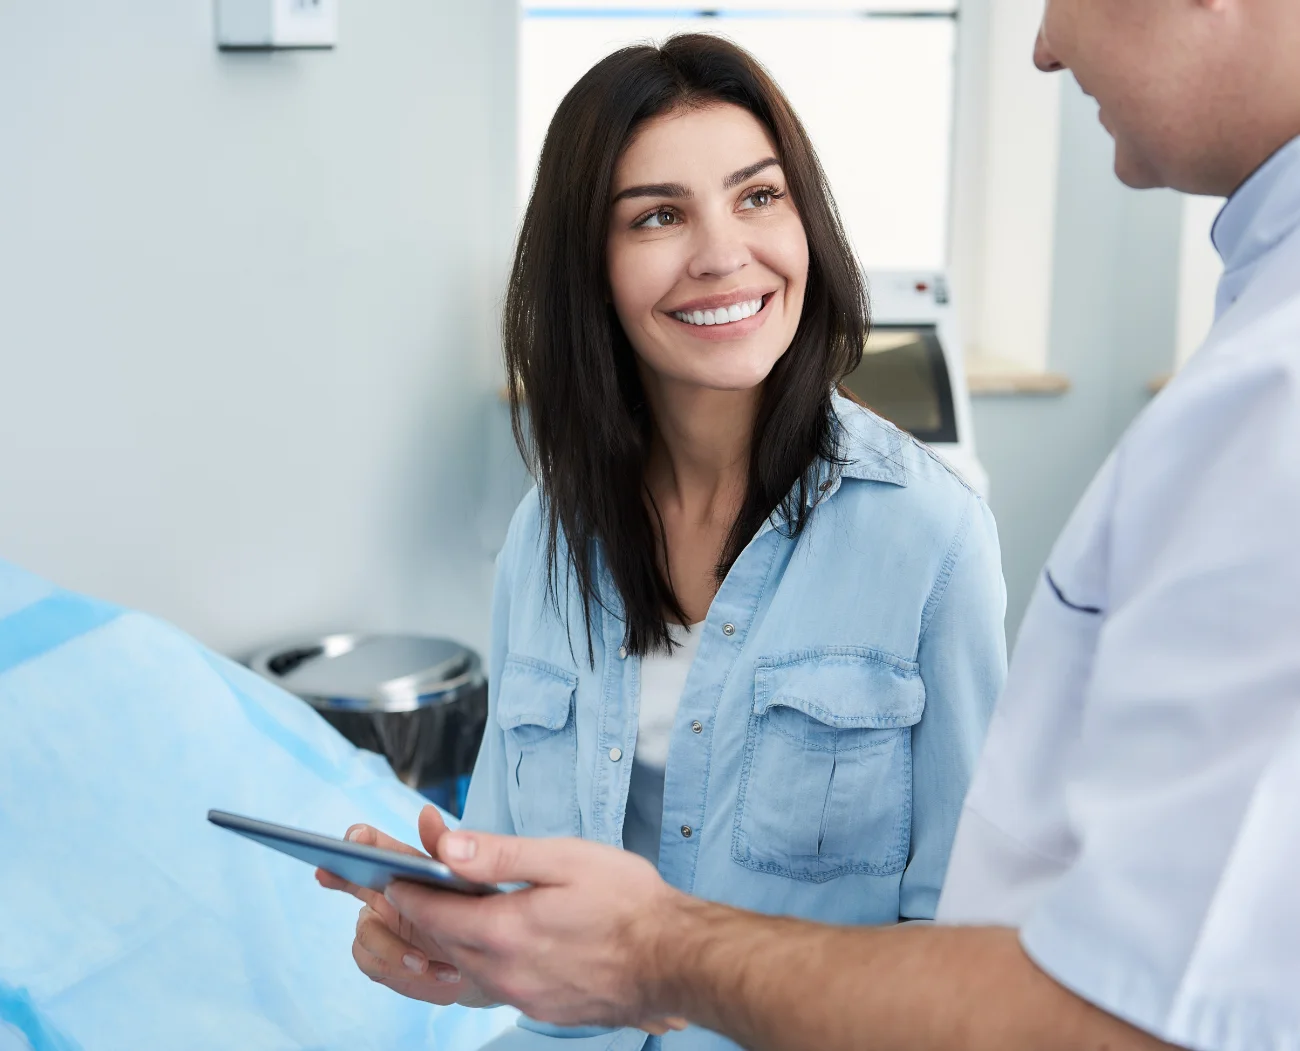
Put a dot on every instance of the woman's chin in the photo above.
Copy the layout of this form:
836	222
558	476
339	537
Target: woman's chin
728	372
733	381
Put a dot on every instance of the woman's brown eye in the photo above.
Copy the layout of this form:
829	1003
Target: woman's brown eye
658	220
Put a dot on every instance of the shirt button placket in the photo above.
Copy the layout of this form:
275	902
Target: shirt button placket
728	629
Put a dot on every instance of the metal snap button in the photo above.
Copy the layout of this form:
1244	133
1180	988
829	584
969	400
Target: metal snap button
728	629
615	754
622	653
697	726
686	831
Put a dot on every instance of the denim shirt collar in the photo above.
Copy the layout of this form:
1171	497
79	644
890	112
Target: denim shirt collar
870	450
872	447
1263	212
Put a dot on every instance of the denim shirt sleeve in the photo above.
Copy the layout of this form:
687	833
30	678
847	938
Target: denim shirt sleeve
487	808
963	662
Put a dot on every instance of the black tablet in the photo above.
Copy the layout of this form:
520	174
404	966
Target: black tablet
372	867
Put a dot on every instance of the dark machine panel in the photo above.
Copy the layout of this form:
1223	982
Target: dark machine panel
904	378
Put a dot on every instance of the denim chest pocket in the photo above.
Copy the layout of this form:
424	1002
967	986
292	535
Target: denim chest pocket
536	712
826	781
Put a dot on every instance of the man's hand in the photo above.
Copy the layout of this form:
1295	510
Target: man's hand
600	939
387	949
575	947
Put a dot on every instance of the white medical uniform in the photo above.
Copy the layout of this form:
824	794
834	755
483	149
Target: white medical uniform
1136	813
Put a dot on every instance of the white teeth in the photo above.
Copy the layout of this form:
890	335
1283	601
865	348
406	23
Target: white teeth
721	316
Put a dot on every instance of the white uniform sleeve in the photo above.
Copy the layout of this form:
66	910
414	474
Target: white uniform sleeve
1180	911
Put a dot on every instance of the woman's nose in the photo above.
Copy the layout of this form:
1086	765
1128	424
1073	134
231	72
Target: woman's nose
720	250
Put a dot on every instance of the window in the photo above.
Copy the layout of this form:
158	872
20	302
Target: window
872	81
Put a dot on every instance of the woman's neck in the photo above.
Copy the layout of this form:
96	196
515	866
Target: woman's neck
699	460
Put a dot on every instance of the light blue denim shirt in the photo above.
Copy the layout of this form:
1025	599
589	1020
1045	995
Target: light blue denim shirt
829	725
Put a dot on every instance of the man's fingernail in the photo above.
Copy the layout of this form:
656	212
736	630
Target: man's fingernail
388	894
446	974
460	848
413	963
354	834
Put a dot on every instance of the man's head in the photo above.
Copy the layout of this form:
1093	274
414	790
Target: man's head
1196	93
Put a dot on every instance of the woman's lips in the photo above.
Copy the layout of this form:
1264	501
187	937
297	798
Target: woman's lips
730	329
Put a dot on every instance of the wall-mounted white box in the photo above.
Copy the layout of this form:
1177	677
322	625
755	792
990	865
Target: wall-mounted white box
268	24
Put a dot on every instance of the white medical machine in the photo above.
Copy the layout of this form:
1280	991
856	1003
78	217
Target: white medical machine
912	372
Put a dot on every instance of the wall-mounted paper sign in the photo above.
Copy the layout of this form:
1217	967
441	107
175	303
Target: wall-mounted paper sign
268	24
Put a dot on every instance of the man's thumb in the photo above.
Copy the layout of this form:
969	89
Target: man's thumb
509	859
431	827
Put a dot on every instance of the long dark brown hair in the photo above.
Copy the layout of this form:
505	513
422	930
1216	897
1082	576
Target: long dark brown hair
586	429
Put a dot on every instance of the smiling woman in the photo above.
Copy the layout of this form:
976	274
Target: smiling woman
744	628
674	180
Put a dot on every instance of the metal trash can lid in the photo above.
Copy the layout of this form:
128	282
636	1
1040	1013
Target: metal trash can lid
371	672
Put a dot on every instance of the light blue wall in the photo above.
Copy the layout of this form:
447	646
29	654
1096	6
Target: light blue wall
1114	305
247	302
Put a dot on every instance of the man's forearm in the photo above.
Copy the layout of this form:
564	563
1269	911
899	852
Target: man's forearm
775	984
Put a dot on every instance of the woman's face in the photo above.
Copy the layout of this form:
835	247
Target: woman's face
707	256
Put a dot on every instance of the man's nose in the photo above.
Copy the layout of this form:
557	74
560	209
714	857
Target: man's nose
1043	57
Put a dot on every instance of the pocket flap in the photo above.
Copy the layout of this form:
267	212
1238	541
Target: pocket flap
534	693
845	687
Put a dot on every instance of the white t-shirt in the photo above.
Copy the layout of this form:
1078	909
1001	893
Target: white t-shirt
1134	812
663	678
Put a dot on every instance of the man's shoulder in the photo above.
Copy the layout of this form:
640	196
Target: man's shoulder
1208	474
1250	364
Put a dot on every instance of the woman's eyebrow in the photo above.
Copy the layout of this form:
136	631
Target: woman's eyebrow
736	178
661	189
677	191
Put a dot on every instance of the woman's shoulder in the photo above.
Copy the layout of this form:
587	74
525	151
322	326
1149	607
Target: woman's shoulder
525	558
527	518
526	538
928	499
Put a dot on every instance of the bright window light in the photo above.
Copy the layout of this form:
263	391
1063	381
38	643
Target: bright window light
621	8
872	81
